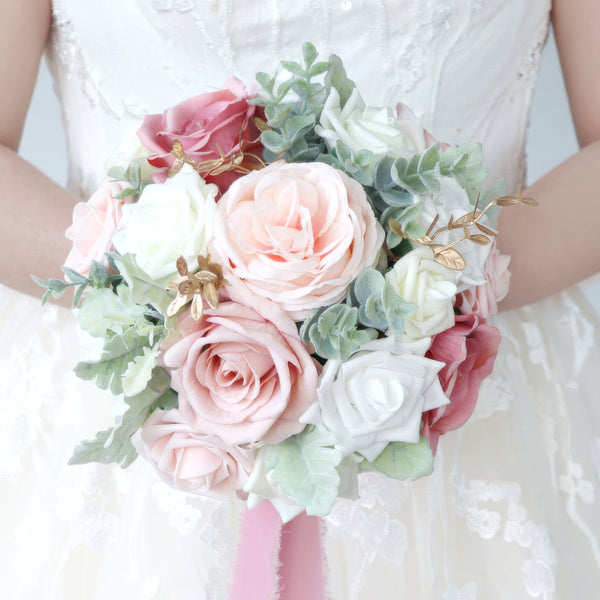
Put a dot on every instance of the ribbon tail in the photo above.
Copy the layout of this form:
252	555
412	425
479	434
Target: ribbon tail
256	575
301	558
276	561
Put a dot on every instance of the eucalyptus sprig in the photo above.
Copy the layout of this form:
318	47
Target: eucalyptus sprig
290	134
132	175
98	277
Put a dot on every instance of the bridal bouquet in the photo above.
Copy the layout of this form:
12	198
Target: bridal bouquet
291	287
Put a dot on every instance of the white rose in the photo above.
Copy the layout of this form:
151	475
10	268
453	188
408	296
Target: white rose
169	220
261	486
419	279
453	201
371	128
377	396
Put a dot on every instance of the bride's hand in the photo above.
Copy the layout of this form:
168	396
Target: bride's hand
558	244
35	210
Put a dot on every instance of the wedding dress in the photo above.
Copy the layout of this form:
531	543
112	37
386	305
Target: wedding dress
513	507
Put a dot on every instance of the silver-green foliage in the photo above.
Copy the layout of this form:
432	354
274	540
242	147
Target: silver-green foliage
378	304
304	467
292	108
114	444
334	332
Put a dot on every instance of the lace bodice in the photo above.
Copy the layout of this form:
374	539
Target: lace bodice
467	67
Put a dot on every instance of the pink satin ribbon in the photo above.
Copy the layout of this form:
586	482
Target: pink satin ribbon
277	561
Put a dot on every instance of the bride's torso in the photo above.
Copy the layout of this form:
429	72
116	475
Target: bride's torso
467	67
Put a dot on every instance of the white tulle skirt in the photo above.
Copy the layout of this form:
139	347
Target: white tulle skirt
512	510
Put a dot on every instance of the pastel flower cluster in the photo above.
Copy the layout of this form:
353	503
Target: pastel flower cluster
283	310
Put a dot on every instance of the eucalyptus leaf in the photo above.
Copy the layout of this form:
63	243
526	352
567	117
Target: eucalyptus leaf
336	78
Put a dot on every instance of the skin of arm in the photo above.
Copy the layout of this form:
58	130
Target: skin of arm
558	243
35	210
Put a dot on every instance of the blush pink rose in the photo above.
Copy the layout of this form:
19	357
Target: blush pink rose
94	223
296	233
483	299
242	372
206	125
469	350
192	461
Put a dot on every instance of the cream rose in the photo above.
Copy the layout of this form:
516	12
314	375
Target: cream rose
298	234
371	128
417	278
452	200
169	220
377	396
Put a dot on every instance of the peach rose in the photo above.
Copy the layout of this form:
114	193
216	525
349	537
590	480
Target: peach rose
206	125
483	299
297	234
242	372
469	350
94	223
192	461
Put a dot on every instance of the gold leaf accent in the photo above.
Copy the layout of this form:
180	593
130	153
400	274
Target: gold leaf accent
449	257
261	124
193	286
478	238
507	201
396	228
485	229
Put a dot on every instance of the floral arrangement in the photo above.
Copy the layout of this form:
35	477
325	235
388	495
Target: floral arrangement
290	287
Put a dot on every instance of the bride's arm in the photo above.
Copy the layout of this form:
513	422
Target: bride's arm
35	210
558	244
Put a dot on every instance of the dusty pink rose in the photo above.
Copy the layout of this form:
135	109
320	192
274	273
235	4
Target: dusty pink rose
94	223
468	349
192	461
242	372
483	299
297	234
206	125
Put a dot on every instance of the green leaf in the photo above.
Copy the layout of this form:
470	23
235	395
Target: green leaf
273	141
293	67
304	466
309	53
104	449
429	159
144	290
103	311
336	78
265	81
114	444
117	173
400	460
139	372
74	276
116	355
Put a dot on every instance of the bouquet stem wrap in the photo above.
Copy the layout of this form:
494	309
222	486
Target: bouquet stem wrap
278	561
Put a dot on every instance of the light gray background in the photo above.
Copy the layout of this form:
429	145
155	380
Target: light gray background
551	136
